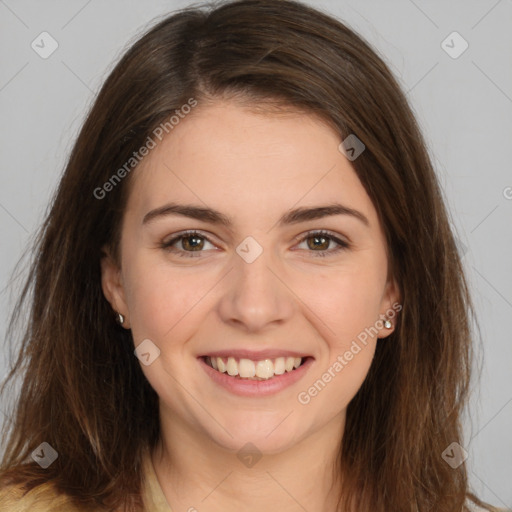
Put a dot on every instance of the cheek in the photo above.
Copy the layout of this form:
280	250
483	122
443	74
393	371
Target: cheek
345	313
346	300
158	298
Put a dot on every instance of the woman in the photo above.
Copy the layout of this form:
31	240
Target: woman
246	293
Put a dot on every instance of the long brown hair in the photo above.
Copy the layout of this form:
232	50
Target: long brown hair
83	391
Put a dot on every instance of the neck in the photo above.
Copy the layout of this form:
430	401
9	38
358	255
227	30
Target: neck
197	474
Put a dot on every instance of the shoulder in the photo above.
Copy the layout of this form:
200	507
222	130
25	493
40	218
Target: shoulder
43	498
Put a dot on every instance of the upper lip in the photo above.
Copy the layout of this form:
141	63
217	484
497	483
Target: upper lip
255	355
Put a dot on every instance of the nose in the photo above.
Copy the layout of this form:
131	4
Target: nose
256	295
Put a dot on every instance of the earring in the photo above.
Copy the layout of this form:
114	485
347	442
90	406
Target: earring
388	324
120	319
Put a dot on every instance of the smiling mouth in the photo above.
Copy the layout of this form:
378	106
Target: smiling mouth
254	370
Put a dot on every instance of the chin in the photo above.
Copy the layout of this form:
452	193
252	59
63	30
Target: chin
265	437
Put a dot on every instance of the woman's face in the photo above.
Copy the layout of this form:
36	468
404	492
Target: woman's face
255	283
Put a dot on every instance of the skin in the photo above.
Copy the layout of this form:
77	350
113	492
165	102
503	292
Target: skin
252	167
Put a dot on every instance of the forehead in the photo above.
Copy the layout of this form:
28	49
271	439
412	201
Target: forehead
235	159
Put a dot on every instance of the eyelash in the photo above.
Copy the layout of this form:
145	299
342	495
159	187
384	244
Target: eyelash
342	245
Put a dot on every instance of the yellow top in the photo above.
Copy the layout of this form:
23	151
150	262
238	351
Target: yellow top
153	496
45	499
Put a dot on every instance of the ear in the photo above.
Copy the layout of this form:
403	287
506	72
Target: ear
113	287
390	308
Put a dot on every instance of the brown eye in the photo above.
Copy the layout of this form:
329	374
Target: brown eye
318	242
192	244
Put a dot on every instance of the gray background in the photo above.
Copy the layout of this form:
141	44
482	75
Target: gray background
464	106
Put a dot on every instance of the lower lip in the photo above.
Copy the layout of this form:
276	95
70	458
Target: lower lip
254	388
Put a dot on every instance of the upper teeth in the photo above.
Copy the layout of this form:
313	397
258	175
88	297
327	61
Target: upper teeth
264	369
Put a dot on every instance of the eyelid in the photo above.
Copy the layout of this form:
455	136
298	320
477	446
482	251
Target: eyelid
331	234
187	232
176	237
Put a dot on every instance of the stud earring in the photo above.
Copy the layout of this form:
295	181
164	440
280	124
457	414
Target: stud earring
388	324
120	319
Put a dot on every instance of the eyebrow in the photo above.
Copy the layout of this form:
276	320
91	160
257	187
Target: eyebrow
215	217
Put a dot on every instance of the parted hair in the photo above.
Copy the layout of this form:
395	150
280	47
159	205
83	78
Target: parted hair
82	389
